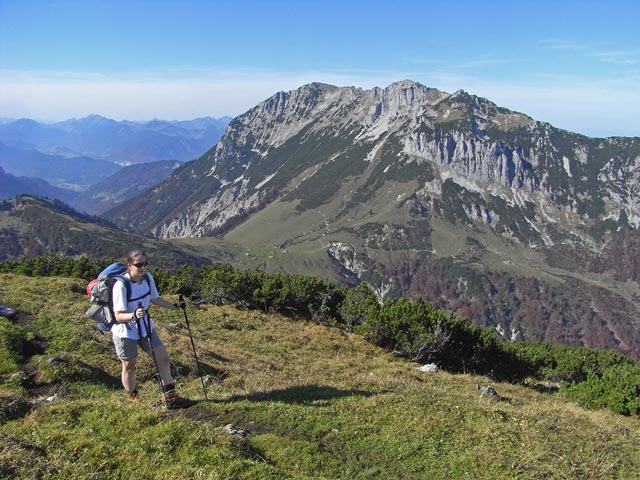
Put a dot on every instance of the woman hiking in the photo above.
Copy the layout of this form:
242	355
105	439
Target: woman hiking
134	328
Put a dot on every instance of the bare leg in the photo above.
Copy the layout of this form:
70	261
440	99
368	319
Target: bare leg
164	365
129	374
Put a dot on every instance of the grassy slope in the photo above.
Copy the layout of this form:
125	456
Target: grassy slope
315	403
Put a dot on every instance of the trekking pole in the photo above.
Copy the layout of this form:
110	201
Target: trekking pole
193	345
147	326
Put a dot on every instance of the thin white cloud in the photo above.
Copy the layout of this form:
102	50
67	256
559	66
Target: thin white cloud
600	51
178	93
591	108
623	56
596	108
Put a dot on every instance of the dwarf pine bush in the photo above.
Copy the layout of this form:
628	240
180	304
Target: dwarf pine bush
617	388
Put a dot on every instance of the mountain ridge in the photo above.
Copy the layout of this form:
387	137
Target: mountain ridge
32	226
268	133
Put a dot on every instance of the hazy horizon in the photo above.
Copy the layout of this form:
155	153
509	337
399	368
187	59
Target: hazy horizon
574	64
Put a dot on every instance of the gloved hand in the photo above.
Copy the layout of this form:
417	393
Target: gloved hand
180	304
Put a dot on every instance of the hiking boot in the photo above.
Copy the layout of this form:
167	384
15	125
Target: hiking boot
133	396
172	401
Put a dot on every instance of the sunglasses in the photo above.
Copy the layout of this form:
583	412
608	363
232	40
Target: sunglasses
141	264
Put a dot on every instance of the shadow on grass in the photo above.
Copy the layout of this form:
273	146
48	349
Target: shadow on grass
302	394
204	369
311	395
217	357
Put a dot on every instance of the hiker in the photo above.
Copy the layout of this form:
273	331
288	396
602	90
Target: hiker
134	328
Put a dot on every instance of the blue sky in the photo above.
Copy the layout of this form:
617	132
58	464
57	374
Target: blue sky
574	64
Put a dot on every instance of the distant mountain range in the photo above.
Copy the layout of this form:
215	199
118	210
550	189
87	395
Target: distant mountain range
76	154
487	213
120	142
12	186
71	173
126	183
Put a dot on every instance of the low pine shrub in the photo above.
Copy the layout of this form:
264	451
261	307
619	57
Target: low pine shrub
617	388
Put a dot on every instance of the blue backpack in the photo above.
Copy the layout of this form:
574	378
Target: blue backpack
99	291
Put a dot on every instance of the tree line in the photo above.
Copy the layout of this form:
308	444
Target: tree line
411	328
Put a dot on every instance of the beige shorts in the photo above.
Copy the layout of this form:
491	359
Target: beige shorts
127	348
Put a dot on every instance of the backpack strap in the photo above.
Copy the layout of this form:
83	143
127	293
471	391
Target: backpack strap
127	284
112	282
129	299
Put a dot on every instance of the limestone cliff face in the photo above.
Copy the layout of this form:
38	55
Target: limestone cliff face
467	139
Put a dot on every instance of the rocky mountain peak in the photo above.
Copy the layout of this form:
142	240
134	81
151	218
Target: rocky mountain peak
468	139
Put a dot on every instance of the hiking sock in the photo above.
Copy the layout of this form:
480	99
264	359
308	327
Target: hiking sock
168	387
169	394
